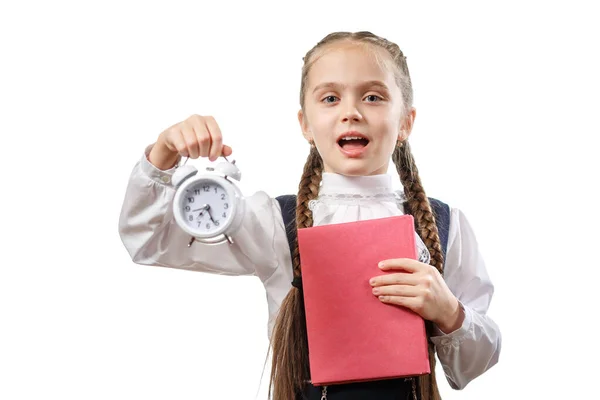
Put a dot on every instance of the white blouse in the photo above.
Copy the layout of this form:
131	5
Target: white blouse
151	236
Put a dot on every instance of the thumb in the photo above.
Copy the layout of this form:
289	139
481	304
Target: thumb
226	151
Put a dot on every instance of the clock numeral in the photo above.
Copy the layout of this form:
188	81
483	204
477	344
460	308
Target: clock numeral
191	218
223	196
217	223
190	199
226	206
197	191
206	188
187	208
224	215
207	226
215	189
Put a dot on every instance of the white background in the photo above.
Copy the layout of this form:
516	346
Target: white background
507	119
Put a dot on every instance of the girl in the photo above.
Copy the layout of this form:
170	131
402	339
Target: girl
356	112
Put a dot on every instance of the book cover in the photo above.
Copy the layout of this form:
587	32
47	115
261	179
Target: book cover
352	335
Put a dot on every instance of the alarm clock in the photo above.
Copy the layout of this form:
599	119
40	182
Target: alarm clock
208	205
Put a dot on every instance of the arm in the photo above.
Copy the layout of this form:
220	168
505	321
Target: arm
151	236
474	347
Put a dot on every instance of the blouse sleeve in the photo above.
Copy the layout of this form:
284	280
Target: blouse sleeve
151	236
474	347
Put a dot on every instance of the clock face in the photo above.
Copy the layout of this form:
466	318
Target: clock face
206	207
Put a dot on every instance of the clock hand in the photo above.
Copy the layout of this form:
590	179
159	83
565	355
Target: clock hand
209	215
201	209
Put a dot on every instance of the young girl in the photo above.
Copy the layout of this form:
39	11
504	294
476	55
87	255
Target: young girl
356	113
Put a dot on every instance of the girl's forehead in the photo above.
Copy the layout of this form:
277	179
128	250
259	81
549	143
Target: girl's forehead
350	62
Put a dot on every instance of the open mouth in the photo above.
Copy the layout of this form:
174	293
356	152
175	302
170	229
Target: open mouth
352	143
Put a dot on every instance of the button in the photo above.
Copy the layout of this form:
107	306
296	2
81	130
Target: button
165	178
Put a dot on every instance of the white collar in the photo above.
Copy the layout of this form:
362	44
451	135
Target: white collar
338	184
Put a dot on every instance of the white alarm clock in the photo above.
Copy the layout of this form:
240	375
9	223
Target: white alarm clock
208	205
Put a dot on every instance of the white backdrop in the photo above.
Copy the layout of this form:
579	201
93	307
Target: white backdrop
507	116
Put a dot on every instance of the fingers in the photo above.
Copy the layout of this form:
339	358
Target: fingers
227	150
395	279
415	304
176	142
198	134
191	142
418	298
216	145
195	137
209	137
407	264
397	290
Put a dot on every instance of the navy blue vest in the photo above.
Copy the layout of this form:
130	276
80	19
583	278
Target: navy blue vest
389	389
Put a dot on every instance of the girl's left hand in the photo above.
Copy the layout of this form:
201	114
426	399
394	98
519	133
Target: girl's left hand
421	288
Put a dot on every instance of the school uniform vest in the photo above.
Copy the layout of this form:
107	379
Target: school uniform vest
389	389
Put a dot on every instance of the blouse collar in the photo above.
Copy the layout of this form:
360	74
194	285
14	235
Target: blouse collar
333	184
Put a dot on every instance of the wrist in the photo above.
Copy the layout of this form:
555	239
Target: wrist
453	319
161	156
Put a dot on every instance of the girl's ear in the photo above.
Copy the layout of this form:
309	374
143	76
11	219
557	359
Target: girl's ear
306	132
406	125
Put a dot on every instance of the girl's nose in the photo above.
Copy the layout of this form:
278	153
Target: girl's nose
351	113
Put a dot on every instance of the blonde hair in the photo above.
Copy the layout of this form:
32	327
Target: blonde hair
290	367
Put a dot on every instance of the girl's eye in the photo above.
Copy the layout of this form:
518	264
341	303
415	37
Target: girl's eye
374	96
329	97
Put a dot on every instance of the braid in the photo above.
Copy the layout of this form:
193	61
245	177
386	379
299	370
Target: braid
290	367
308	189
418	203
418	206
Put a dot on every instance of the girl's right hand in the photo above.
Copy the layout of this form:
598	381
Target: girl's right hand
195	137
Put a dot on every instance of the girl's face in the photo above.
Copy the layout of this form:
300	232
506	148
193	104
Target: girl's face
349	95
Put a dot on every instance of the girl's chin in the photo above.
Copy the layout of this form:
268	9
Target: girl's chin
355	167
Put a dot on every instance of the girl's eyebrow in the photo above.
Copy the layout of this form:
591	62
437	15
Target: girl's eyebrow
375	83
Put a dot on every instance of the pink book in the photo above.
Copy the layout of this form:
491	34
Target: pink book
352	335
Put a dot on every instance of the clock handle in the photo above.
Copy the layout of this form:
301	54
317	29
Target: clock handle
187	158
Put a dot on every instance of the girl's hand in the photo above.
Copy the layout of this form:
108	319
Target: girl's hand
195	137
421	288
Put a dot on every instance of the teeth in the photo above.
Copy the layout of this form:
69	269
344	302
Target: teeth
351	138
